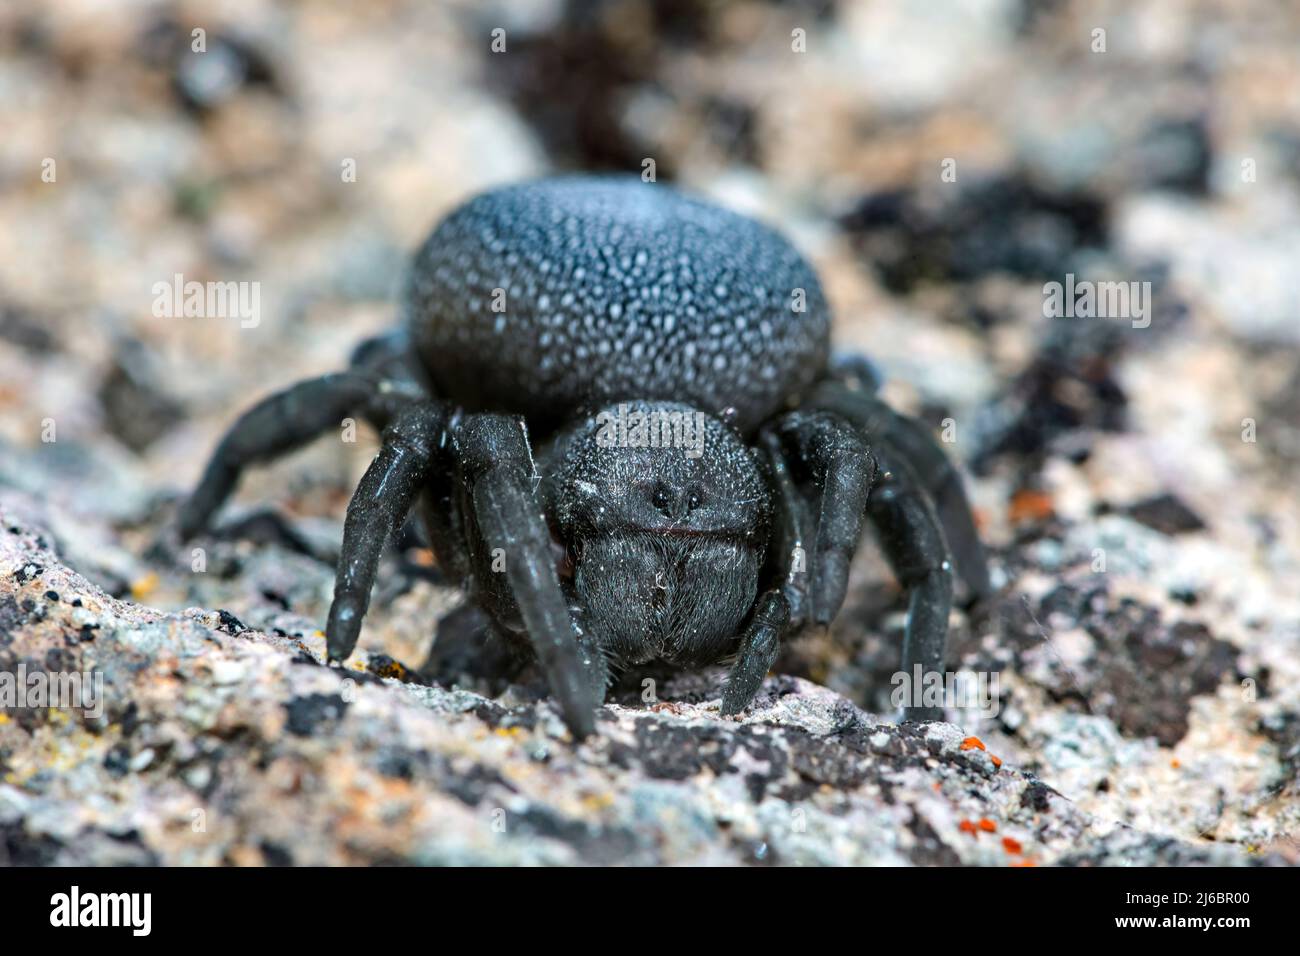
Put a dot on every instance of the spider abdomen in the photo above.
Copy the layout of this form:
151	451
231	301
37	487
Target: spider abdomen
561	294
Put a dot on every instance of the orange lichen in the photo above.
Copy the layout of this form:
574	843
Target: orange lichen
1030	505
1011	845
974	743
987	825
595	802
141	588
1022	862
387	667
966	826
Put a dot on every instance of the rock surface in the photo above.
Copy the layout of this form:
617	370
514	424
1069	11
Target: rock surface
1135	482
216	743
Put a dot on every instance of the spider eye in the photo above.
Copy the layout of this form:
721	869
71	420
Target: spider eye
660	498
692	502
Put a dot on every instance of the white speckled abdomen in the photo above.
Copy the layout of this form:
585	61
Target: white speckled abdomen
551	296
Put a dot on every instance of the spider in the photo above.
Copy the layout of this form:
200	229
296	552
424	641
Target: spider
614	409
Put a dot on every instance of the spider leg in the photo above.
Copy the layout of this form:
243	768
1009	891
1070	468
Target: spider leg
468	646
498	467
843	466
377	509
387	355
780	610
758	650
598	671
792	532
913	542
282	423
856	370
943	483
934	469
265	526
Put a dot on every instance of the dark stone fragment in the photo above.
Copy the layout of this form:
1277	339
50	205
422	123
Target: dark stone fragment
996	224
1167	514
307	713
671	752
1175	154
117	761
402	763
1070	386
229	623
136	411
27	572
275	855
1284	730
1152	672
19	327
19	848
11	618
231	64
930	849
469	783
130	719
1037	797
497	716
826	760
59	660
602	846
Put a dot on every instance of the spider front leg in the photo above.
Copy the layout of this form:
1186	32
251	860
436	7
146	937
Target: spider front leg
791	531
501	480
377	509
913	542
758	650
780	610
836	458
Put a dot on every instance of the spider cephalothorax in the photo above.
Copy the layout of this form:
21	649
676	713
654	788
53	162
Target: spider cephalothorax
665	514
613	408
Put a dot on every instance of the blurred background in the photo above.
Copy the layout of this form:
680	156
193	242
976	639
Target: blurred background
937	162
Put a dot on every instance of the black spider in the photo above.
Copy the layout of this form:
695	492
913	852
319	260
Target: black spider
670	360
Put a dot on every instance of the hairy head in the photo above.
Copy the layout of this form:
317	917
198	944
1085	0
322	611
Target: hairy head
665	514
